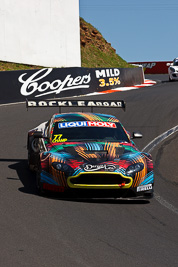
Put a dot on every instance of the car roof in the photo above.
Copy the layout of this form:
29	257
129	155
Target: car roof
81	116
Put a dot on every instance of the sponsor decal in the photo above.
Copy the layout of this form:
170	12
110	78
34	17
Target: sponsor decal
107	73
58	139
112	81
144	187
82	103
106	167
111	76
33	83
149	65
86	124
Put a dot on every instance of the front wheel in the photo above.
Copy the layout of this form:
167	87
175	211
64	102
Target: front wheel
33	153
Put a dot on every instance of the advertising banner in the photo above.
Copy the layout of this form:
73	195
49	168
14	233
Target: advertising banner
50	83
154	67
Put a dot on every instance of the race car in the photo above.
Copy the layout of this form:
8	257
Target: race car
88	152
173	70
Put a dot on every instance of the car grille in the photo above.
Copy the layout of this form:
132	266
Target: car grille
100	179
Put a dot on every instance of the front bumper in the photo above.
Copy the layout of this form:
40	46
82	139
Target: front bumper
99	180
97	185
129	193
173	76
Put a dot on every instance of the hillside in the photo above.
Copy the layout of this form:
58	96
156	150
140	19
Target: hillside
96	52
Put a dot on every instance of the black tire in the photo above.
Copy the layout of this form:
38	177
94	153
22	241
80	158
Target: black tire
39	187
29	161
32	155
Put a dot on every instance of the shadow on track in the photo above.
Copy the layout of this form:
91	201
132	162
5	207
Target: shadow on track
25	176
28	180
101	200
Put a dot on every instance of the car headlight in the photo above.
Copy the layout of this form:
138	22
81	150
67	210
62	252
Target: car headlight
132	169
61	167
57	166
172	69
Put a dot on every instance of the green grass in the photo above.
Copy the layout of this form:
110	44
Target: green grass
5	66
92	57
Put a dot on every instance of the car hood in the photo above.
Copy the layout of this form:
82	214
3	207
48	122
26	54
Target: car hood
175	67
92	151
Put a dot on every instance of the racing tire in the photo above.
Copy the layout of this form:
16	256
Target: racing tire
39	187
32	155
29	160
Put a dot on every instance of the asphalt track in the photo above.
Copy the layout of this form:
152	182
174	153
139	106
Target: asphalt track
48	231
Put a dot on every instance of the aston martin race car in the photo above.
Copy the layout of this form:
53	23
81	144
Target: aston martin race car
173	70
88	152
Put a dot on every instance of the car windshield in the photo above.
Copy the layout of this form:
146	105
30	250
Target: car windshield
175	63
88	131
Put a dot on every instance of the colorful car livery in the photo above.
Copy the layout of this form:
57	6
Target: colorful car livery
89	152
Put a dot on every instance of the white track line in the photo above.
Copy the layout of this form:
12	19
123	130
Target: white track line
166	204
11	104
148	149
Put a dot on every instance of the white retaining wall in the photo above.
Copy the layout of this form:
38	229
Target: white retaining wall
40	32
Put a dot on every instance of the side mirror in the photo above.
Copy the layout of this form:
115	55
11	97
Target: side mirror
38	134
136	135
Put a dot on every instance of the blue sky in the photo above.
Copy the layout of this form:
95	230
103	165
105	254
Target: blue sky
139	30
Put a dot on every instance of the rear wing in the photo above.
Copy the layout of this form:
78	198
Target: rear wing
76	103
